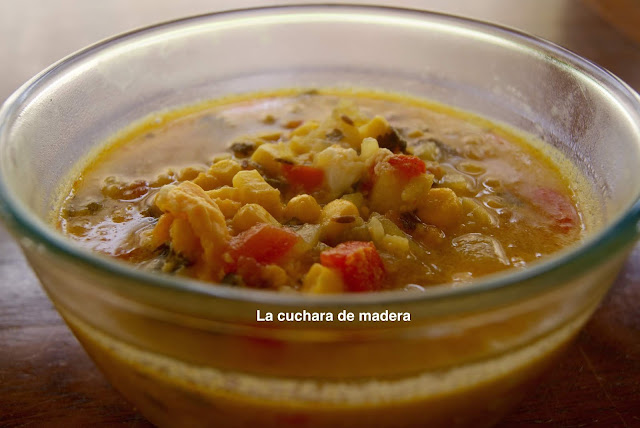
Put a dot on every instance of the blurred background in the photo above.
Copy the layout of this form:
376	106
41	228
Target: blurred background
47	380
35	33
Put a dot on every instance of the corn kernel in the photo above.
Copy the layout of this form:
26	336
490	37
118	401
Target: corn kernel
254	190
250	215
219	174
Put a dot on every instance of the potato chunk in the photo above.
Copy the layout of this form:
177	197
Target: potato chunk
375	127
227	198
342	168
225	192
254	190
394	190
268	156
228	207
220	174
322	280
250	215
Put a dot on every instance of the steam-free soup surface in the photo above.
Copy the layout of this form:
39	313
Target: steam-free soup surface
322	192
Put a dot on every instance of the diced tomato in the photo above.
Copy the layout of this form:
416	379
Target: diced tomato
265	243
303	177
408	166
358	262
558	206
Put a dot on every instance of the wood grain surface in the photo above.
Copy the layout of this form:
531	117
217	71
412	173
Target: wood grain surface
46	380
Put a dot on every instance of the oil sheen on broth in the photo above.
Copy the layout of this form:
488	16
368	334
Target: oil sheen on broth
322	191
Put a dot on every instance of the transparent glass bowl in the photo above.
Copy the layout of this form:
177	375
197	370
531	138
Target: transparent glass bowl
191	354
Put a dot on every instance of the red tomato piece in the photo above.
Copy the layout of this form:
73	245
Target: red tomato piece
265	243
408	166
558	206
304	177
358	262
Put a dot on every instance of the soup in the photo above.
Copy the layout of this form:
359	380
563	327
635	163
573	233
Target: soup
323	191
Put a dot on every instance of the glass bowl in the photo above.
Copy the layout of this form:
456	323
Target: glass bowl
191	354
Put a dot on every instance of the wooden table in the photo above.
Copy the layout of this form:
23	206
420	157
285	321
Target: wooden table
47	380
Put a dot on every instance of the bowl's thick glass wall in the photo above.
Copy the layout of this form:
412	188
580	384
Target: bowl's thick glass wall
57	119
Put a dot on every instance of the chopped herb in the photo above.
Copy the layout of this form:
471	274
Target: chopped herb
294	224
445	148
269	119
243	149
90	209
232	279
72	212
94	207
293	124
346	119
152	211
344	219
248	164
285	161
175	262
277	183
409	221
401	130
163	250
392	141
335	135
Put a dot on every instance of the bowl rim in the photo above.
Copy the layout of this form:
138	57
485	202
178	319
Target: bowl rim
616	234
